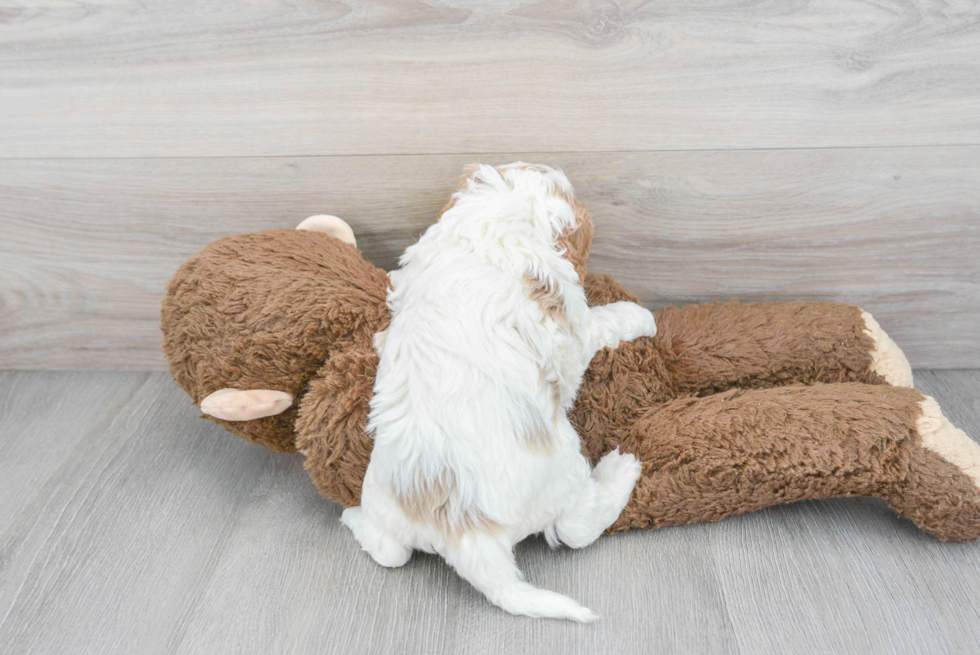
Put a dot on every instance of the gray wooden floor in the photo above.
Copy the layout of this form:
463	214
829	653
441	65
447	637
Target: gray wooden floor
128	525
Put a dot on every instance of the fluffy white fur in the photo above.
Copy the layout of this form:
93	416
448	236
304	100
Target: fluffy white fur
473	450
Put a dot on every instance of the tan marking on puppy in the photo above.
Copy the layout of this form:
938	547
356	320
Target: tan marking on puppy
578	241
948	441
538	438
548	298
379	340
556	393
556	397
436	503
887	359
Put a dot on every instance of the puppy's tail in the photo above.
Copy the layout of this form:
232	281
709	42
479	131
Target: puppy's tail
488	564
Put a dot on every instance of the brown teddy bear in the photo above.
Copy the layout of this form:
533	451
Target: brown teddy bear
730	408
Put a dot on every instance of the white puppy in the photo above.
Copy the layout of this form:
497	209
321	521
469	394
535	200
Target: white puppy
490	336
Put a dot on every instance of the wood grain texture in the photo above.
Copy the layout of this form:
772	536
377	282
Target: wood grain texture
89	245
847	574
121	78
137	528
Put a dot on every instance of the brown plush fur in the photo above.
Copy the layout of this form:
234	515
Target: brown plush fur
713	406
264	311
749	449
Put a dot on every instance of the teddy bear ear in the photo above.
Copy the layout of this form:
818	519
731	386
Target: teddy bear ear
332	225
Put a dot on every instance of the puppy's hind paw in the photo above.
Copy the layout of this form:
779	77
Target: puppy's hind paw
380	546
617	470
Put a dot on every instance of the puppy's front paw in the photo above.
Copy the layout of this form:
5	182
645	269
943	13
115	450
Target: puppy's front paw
647	324
618	471
635	321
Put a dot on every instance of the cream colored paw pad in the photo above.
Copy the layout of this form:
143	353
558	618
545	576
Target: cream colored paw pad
239	405
948	441
887	359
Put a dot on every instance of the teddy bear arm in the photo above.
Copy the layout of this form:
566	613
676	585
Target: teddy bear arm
714	347
708	458
331	426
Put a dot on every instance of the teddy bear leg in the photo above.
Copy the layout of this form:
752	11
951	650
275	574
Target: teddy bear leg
715	347
708	458
941	493
335	227
245	405
331	425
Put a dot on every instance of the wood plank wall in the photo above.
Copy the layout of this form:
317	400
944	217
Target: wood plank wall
818	150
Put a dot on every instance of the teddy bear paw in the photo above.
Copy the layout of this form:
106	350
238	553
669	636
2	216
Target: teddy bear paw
887	359
948	441
245	405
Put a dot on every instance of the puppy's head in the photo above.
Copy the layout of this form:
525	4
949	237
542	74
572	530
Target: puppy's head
558	214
